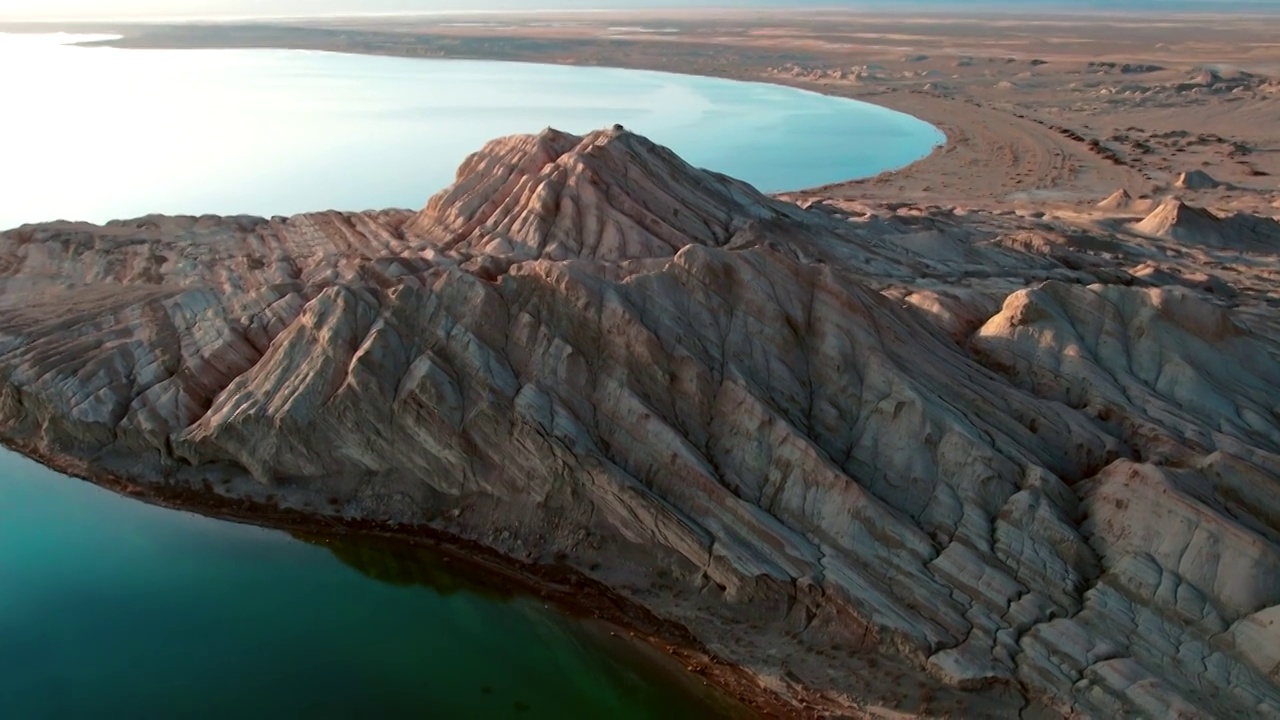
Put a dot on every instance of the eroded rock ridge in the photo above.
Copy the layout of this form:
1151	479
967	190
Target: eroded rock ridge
1014	459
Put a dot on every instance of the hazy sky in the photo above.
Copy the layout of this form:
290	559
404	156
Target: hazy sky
28	9
206	8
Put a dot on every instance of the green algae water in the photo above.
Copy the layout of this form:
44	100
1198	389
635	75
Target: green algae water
111	608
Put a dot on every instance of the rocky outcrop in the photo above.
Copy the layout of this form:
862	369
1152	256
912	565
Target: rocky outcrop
1118	200
1121	201
607	196
1196	180
850	452
1175	220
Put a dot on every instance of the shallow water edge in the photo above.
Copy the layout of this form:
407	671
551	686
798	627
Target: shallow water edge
732	690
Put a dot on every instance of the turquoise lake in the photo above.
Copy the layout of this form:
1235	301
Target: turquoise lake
101	133
110	608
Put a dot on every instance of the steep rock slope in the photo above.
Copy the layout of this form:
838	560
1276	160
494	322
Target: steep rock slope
607	196
761	421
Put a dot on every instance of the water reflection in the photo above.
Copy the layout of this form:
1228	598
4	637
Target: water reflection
113	608
403	564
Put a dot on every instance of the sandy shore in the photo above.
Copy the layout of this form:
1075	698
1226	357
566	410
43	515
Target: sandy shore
1041	115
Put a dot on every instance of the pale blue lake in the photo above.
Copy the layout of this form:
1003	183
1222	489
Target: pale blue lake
100	133
110	608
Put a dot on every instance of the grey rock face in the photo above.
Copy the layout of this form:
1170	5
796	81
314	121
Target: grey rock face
873	432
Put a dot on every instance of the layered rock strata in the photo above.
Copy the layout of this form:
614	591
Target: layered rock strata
895	458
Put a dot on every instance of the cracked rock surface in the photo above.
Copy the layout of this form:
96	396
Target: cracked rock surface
889	458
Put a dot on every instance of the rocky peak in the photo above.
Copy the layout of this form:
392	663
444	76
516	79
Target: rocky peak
1196	180
1117	200
608	195
1175	220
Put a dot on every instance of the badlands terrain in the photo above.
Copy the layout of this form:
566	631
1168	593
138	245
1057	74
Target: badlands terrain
996	435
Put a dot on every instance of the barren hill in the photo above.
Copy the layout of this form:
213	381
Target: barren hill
1175	220
849	449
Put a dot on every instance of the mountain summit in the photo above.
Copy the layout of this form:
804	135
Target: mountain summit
609	195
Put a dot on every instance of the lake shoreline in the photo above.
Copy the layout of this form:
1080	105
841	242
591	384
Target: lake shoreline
783	143
940	115
1015	136
568	590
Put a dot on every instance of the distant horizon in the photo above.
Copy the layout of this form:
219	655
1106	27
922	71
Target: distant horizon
160	10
